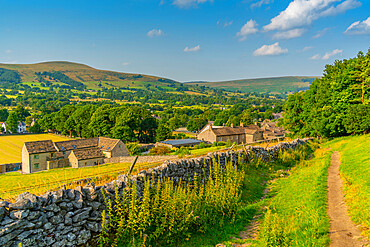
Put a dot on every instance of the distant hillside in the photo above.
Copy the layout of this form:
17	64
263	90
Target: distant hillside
275	85
75	74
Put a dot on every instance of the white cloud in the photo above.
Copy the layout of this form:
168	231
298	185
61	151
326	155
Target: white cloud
326	55
224	23
294	33
155	33
260	3
192	49
306	48
330	54
342	7
8	51
125	63
321	33
359	27
270	50
189	3
249	28
301	13
315	57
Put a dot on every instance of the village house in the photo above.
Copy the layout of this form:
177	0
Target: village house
35	155
21	127
271	130
3	126
46	155
86	157
240	134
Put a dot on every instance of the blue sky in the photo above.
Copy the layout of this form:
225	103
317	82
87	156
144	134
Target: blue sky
187	40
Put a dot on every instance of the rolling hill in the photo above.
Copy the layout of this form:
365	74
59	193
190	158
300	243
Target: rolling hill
275	85
88	76
81	77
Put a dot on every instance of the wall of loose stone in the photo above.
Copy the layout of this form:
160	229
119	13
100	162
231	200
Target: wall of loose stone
72	217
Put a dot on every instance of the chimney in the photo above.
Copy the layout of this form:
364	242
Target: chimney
241	124
232	125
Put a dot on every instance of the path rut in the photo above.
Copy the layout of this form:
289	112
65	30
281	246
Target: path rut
343	232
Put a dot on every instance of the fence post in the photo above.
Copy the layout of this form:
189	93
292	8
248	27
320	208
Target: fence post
132	166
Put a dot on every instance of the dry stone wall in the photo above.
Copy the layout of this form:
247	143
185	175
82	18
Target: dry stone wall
72	217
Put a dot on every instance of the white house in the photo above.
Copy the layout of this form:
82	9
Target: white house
21	127
3	125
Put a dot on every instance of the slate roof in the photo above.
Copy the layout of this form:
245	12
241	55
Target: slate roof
107	144
89	153
182	142
229	131
40	147
77	144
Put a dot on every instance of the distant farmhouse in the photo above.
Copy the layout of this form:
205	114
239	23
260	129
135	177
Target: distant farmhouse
271	130
46	155
240	134
21	127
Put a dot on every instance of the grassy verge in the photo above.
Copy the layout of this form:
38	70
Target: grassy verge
297	213
214	203
14	183
355	173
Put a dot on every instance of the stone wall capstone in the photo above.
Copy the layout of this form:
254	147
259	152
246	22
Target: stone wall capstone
72	217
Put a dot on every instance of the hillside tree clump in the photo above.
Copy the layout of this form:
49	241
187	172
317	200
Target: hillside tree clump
335	105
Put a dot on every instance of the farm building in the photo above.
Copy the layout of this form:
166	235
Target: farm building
179	143
21	127
240	134
86	157
271	130
45	155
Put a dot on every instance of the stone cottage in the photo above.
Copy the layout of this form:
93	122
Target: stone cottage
240	134
86	157
35	155
46	155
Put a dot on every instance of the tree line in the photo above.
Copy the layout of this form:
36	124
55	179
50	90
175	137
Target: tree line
335	105
128	123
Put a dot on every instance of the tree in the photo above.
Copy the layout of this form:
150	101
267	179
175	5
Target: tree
233	120
362	73
163	132
331	106
3	114
101	123
36	128
357	120
47	122
12	122
246	118
61	117
21	112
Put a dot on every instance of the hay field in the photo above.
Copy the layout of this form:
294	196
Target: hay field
11	146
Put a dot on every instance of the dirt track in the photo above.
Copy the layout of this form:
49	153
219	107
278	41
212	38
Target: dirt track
343	233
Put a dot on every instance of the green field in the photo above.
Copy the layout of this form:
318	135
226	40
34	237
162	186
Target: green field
275	85
297	214
11	146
